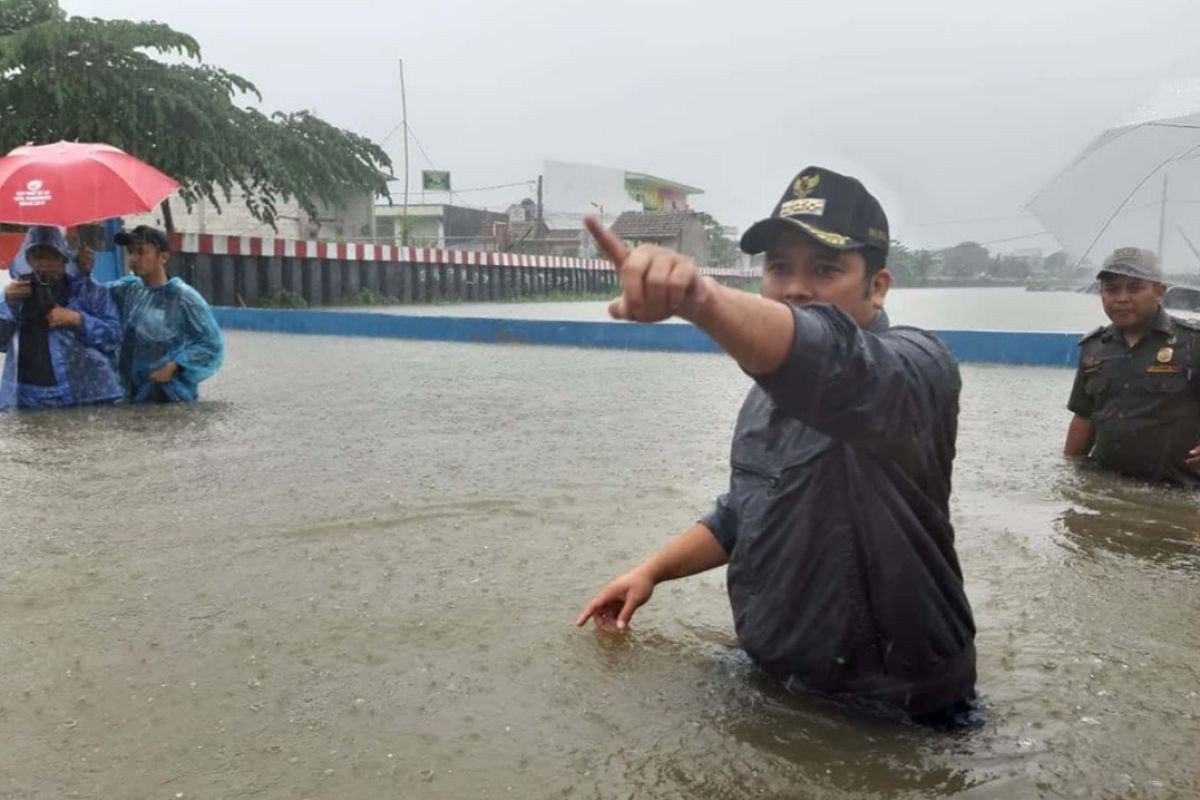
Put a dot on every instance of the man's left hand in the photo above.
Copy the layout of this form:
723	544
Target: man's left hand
1193	458
656	283
60	317
164	373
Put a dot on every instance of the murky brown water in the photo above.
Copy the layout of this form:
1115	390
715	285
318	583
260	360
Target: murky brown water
1004	309
352	571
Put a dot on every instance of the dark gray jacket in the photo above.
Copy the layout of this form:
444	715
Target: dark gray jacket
842	572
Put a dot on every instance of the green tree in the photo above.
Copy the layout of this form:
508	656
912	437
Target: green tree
1010	267
910	267
723	252
1055	263
143	87
965	260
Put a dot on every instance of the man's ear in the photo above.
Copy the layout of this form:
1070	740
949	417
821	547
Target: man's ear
880	283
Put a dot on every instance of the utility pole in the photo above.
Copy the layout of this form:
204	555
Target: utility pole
541	217
404	125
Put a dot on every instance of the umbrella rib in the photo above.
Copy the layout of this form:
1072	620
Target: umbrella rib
1080	158
1172	125
1179	157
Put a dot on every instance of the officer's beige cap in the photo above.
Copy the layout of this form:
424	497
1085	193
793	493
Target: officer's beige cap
1133	262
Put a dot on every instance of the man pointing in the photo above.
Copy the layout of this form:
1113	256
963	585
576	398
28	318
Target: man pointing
842	576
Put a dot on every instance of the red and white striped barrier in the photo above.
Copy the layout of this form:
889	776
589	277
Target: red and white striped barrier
211	244
216	245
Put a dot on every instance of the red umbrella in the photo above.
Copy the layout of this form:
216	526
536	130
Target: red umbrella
71	183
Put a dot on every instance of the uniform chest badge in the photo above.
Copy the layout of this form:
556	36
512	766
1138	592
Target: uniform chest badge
1165	355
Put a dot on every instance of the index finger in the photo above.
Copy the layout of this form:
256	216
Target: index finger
614	249
587	613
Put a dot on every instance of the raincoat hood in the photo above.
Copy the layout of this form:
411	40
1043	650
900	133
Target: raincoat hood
43	236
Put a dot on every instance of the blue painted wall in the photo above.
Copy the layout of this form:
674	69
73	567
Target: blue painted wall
108	266
110	263
1002	347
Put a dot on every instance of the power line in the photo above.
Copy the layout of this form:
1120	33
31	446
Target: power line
965	221
428	160
529	183
412	134
1017	238
391	133
497	186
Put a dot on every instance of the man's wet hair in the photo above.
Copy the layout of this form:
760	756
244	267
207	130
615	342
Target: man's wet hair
875	261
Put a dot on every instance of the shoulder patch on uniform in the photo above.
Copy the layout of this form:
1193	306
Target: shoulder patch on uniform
1099	329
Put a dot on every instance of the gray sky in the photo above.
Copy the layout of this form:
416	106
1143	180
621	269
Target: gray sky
947	109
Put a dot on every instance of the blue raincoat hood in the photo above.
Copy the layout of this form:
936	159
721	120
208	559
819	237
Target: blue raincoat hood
43	236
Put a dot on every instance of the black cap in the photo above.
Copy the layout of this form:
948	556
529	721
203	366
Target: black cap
144	234
834	209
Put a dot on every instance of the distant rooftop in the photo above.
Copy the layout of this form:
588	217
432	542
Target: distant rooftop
528	230
661	183
426	209
651	224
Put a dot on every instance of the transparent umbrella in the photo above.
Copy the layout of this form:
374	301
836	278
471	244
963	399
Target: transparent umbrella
1137	184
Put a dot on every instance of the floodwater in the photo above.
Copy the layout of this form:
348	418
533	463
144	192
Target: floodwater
1006	309
352	572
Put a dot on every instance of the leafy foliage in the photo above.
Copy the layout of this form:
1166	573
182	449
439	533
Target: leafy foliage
965	260
283	298
142	87
723	252
911	267
367	296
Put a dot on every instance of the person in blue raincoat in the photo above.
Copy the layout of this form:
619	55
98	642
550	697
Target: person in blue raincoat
170	341
57	328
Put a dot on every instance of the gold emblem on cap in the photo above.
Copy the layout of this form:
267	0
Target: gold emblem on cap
805	184
812	206
831	239
1165	355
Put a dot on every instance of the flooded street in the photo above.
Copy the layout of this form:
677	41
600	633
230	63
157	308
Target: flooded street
352	571
1004	309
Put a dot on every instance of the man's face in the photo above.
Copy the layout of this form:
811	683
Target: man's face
145	259
1131	303
47	262
799	270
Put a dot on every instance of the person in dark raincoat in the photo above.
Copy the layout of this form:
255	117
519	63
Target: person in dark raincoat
58	329
836	529
1136	397
170	340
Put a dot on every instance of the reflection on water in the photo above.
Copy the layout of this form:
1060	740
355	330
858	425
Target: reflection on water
1127	518
352	571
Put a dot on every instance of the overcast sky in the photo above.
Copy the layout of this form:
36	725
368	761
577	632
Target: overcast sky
948	109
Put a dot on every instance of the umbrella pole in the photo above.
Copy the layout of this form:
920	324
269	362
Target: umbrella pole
168	220
1162	217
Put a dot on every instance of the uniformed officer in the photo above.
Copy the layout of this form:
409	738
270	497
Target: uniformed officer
836	528
1136	397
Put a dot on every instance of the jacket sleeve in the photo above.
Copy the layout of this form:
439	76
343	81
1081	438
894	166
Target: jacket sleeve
9	323
722	521
202	347
1080	402
117	289
101	328
883	392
